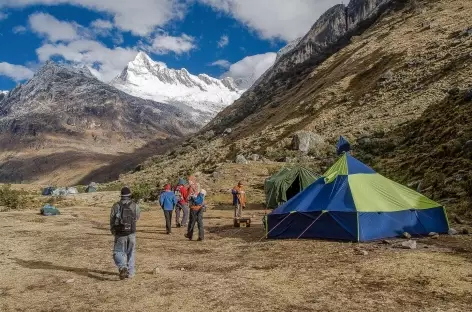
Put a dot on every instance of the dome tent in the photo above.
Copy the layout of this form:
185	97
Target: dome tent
286	183
353	202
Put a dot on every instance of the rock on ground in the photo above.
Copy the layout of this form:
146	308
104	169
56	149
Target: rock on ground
410	244
304	141
240	159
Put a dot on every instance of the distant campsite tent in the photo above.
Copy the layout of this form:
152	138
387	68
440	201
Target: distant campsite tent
48	191
287	183
91	188
353	202
64	191
49	210
342	146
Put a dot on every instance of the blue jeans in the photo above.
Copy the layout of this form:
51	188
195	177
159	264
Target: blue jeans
124	252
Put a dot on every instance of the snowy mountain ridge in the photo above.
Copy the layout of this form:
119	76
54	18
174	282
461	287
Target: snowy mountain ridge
202	95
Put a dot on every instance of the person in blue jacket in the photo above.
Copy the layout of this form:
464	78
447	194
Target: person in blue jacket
168	201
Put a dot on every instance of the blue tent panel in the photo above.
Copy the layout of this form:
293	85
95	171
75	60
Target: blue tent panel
342	146
325	225
334	196
355	166
378	225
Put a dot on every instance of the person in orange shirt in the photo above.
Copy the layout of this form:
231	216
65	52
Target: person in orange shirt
239	199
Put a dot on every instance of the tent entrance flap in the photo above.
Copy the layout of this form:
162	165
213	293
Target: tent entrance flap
294	189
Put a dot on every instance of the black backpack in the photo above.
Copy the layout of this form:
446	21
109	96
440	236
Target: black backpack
126	223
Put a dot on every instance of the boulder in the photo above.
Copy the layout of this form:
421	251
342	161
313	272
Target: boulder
255	157
452	231
433	235
468	147
228	131
406	235
410	244
240	159
468	96
304	141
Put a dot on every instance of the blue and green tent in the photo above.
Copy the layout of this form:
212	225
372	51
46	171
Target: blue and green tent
353	202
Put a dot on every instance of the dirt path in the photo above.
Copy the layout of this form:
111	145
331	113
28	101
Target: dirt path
64	264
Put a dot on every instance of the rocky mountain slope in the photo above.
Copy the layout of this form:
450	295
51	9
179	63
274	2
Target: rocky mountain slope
202	95
65	114
363	70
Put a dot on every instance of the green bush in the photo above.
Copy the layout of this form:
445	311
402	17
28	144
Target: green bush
142	191
12	199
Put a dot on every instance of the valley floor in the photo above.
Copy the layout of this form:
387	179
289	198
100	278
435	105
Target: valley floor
64	263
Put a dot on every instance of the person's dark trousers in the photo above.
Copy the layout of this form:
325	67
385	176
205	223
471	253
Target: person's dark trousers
168	216
196	216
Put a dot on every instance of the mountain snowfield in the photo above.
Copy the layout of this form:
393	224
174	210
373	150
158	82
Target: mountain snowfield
203	96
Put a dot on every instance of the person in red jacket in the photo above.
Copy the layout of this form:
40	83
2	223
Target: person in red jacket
181	192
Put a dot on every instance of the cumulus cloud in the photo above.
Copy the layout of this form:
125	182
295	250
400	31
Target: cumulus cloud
251	67
101	27
101	24
19	29
107	62
224	40
141	17
221	63
163	44
15	72
282	19
54	30
3	15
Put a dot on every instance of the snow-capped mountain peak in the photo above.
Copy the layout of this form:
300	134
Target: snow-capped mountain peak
203	95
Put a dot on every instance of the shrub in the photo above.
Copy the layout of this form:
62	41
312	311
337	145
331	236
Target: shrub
11	199
142	191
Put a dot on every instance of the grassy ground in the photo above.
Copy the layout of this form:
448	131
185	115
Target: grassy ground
64	264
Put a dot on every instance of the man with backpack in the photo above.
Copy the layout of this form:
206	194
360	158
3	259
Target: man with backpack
197	207
168	201
123	217
181	193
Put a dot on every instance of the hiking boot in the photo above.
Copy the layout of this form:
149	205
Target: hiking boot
178	225
124	273
187	236
168	233
200	239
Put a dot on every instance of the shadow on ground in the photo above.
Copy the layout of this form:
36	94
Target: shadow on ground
45	265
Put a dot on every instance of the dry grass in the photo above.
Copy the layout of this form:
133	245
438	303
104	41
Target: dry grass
230	271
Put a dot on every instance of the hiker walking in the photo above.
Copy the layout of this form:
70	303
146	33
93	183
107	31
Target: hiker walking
123	217
168	201
181	193
239	199
197	208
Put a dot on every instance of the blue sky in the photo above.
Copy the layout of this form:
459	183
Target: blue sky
231	37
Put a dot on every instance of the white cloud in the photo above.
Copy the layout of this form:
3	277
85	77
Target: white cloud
101	27
101	24
19	29
15	72
141	17
163	44
283	19
251	67
51	28
3	15
110	62
224	40
221	63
